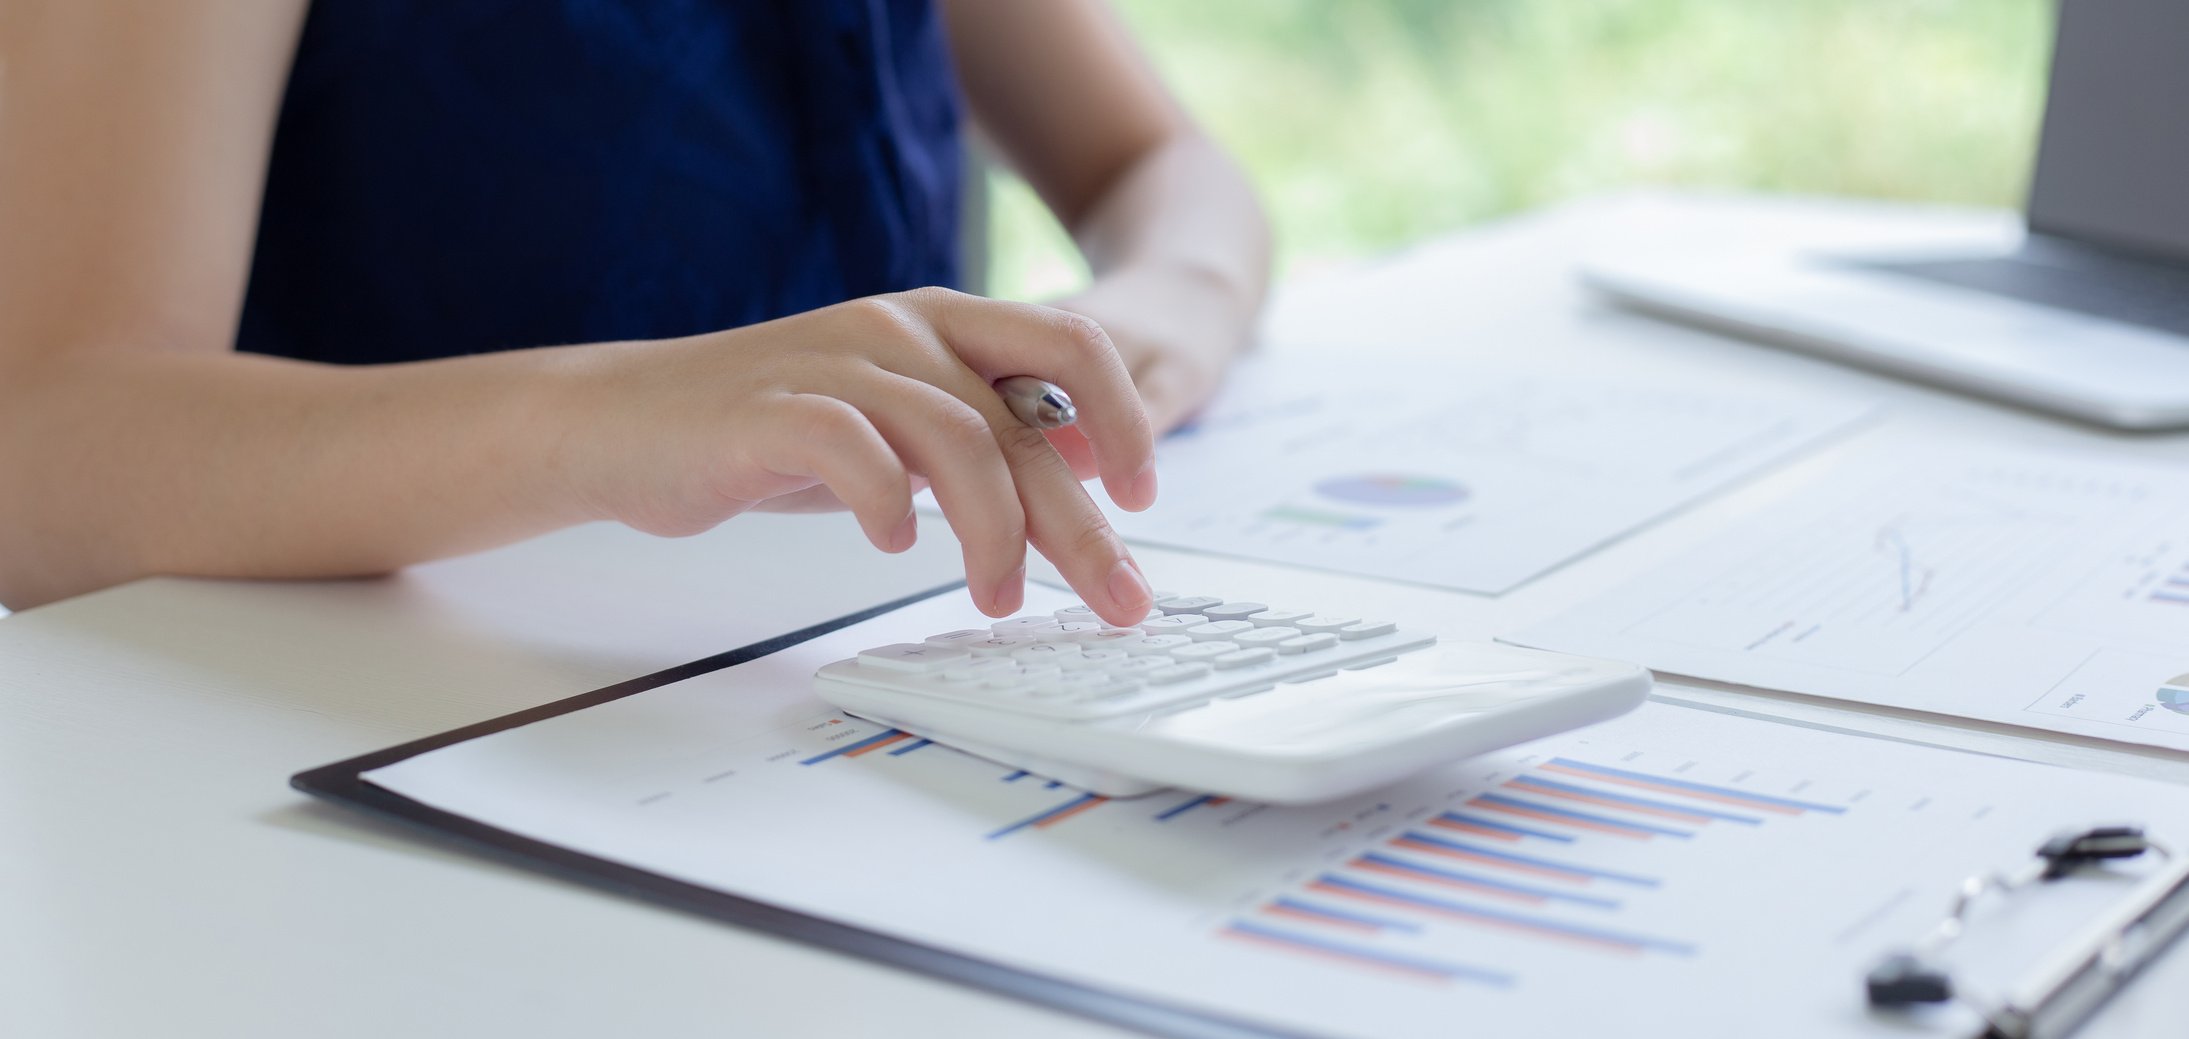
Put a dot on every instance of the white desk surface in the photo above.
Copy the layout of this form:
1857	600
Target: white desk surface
158	877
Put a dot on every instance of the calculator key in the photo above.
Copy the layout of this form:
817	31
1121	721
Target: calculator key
998	645
1099	659
1202	651
1075	613
1172	624
1177	673
1069	631
1239	658
1279	618
1045	652
1113	637
1139	668
959	637
1366	630
981	669
1307	643
1148	644
1187	603
912	657
1021	625
1214	630
1265	636
1233	611
1073	683
1323	622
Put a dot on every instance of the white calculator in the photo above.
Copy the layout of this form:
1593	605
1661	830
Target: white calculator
1239	699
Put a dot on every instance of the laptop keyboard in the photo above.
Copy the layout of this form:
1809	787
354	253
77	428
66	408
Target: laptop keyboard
2152	295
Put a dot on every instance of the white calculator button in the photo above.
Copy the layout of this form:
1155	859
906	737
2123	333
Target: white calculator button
1244	657
1307	643
1215	630
1102	659
1187	603
1112	637
981	668
1321	622
1366	630
1073	683
1147	644
1069	631
1172	624
1203	651
914	657
1075	613
1233	611
1020	625
998	645
1265	636
959	637
1177	673
1139	668
1276	618
1045	652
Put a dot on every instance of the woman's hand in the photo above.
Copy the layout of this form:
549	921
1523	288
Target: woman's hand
1176	329
867	399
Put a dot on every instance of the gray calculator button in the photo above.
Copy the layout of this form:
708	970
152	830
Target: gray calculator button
1075	613
1109	637
912	657
1275	618
1045	652
1244	657
1366	630
1139	667
980	669
1187	603
1177	673
1067	631
1100	659
1307	643
1233	611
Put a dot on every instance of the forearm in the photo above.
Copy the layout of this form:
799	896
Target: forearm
120	464
1183	211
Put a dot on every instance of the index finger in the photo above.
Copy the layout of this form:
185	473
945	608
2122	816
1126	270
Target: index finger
997	339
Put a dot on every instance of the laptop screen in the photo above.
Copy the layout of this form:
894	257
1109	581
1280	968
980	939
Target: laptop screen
2114	166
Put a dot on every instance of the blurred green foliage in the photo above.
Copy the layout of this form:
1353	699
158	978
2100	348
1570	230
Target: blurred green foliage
1370	123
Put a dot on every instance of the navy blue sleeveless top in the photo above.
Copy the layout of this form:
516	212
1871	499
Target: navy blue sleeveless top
458	177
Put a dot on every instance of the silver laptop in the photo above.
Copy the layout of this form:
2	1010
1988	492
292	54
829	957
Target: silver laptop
2087	315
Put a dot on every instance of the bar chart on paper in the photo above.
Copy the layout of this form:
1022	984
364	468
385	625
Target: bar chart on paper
1476	484
2034	588
1562	887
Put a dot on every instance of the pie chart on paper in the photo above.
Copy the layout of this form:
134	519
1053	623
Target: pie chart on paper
2174	695
1392	489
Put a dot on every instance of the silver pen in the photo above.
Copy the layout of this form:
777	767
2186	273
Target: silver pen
1038	403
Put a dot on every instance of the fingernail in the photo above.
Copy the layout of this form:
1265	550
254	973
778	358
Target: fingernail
906	532
1127	588
1011	594
1143	487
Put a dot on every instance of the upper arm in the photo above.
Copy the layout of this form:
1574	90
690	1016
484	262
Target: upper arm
1063	90
133	145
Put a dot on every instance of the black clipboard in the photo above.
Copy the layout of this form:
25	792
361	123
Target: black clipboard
343	783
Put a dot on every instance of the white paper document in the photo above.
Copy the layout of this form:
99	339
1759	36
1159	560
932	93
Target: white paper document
2036	588
1705	874
1470	478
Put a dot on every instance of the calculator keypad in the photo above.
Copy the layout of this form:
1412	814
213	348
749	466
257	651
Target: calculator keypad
1070	664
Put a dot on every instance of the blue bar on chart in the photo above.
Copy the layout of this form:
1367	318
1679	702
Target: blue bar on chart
1660	809
852	750
1376	862
1569	817
1481	827
1416	840
1541	926
1052	816
1685	788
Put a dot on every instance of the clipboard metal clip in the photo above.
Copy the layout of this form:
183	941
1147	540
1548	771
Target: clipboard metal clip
2076	981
